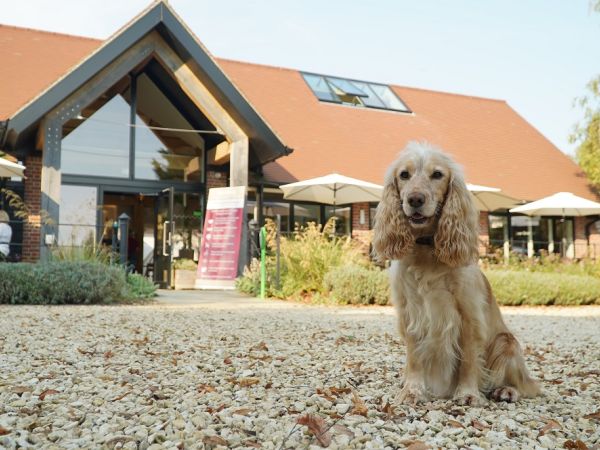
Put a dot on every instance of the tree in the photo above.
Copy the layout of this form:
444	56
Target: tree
587	133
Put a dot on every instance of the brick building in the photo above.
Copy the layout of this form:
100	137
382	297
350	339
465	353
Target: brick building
106	127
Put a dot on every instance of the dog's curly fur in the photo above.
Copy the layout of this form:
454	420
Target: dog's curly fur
456	341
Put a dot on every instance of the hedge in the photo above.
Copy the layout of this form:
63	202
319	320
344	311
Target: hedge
61	282
358	285
543	288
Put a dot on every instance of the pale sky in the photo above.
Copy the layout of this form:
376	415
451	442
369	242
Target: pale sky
537	55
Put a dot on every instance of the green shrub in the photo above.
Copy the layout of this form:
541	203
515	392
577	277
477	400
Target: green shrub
60	282
309	254
548	263
140	287
537	288
185	264
16	283
249	282
86	252
358	285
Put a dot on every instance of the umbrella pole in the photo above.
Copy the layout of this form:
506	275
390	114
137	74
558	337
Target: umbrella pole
334	199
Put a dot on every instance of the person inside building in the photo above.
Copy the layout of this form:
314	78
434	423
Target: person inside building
5	236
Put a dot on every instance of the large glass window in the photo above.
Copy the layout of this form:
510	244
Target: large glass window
162	151
273	209
497	230
353	92
77	215
343	222
97	143
545	234
305	213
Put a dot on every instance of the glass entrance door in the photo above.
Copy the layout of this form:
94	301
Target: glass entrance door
163	235
177	233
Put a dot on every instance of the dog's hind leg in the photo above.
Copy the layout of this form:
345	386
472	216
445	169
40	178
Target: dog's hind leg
508	378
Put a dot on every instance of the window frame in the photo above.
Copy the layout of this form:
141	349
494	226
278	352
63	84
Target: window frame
330	83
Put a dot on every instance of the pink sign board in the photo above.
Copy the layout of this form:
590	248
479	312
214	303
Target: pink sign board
221	236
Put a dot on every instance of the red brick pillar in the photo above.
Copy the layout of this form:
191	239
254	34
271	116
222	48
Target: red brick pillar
32	198
215	180
484	233
594	250
361	231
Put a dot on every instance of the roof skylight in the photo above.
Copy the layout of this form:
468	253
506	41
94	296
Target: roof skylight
354	93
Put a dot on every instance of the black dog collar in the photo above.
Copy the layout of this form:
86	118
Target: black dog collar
425	240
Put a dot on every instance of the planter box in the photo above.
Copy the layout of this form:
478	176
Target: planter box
184	279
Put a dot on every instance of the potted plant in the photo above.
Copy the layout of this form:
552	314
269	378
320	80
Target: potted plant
185	273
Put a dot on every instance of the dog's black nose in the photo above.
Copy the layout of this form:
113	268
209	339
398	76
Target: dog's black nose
416	200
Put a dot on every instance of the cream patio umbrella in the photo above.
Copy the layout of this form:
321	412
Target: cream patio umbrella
490	198
559	204
333	189
10	169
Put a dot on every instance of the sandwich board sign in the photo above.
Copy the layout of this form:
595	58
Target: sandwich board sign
221	238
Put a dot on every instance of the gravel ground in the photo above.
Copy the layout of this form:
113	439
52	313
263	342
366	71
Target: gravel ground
271	375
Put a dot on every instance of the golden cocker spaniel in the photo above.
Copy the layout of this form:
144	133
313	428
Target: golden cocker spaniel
457	344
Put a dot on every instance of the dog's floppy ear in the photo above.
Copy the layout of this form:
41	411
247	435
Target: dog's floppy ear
392	236
456	237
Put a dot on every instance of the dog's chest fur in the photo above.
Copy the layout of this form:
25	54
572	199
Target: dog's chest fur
432	320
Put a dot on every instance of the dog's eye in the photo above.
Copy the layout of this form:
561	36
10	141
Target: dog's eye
405	175
436	175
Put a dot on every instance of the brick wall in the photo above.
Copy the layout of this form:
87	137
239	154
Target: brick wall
356	209
215	180
361	232
33	199
581	243
484	234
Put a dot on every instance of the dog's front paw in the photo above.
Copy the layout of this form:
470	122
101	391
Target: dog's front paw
469	398
505	394
411	395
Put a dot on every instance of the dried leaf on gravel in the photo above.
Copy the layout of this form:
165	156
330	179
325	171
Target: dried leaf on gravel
317	426
550	425
21	389
4	431
214	440
245	382
260	347
139	342
202	388
416	445
252	444
121	397
593	416
217	409
46	393
85	352
227	361
326	394
455	424
339	391
576	445
353	365
481	426
109	354
242	411
341	429
360	408
388	409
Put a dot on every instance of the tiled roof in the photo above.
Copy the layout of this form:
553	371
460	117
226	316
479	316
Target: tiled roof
31	60
496	146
